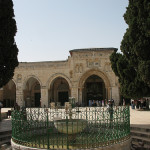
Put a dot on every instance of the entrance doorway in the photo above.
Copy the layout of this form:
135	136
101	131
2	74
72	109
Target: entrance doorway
94	89
37	97
59	90
63	97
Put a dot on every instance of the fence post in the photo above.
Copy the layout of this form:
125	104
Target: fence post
47	129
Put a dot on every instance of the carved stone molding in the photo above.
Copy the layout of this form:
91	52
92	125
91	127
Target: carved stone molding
79	68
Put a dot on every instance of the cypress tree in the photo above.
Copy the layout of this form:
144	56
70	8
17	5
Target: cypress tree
133	66
8	47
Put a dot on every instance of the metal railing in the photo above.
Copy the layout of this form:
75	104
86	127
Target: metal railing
80	128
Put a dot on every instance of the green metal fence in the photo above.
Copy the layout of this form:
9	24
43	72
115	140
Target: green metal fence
79	128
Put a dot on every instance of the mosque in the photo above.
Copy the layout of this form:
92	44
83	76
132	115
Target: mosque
85	75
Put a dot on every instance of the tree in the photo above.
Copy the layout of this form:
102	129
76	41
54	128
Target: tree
8	47
132	66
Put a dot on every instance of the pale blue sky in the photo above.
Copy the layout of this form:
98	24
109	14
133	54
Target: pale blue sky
48	29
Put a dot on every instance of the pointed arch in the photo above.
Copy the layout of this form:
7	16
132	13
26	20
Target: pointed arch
93	72
32	91
53	77
97	90
28	77
9	94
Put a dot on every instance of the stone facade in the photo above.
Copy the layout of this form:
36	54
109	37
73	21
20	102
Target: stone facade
85	75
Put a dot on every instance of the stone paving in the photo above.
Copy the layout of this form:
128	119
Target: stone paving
139	118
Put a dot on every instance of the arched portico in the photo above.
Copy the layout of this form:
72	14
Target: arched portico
27	78
59	88
93	84
31	92
9	94
53	77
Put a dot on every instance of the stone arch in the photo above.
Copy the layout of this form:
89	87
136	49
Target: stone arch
9	93
59	88
14	82
93	72
32	91
82	91
53	77
27	78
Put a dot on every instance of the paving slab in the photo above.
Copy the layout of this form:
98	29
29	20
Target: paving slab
140	118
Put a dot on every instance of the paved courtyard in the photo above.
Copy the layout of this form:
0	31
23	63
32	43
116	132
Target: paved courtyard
140	118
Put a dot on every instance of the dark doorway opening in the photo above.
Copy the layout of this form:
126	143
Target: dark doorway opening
63	97
94	91
37	99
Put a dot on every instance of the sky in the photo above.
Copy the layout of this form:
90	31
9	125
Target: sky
48	29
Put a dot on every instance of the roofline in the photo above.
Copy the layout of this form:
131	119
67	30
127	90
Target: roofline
93	49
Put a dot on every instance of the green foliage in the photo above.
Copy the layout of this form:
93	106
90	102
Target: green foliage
133	65
8	48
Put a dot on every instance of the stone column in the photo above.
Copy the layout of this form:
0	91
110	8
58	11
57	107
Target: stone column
44	96
19	95
115	95
109	92
74	93
80	95
106	93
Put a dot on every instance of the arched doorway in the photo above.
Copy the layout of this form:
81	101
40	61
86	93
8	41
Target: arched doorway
94	89
9	94
32	93
59	90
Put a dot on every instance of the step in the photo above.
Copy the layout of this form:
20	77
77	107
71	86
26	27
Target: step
5	137
143	129
140	134
5	147
136	145
8	142
141	139
5	132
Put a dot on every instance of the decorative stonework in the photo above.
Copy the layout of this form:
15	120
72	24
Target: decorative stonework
19	78
93	63
71	74
108	67
79	68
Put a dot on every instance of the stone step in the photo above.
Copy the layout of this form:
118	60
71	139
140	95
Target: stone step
5	147
5	132
141	139
142	129
8	142
140	133
136	145
5	136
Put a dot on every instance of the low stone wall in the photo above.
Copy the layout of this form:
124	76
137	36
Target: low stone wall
125	145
